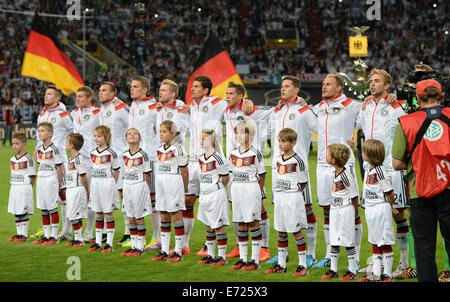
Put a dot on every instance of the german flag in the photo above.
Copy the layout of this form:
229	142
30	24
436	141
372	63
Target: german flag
215	63
45	60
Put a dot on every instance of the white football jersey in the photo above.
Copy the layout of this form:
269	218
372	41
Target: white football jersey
261	116
246	166
344	189
377	183
103	162
48	158
300	118
291	174
142	116
85	120
21	169
173	113
114	114
170	159
337	119
135	166
62	124
211	171
379	121
207	114
75	169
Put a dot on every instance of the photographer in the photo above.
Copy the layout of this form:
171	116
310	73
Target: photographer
422	146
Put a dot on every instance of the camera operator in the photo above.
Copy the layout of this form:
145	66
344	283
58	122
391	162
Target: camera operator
422	146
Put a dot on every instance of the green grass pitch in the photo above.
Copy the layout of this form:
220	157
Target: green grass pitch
25	262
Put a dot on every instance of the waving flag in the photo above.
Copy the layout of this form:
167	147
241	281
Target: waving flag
45	60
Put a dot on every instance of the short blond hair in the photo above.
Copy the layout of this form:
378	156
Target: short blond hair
88	90
247	127
288	134
340	153
374	151
173	86
47	125
386	76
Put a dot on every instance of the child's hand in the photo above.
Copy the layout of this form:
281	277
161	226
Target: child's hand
395	211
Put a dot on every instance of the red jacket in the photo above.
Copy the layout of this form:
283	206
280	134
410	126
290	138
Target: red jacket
431	158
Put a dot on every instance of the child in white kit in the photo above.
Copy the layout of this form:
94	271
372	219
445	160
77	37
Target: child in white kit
23	176
378	203
136	192
171	184
48	184
104	197
213	205
248	177
342	212
289	206
77	190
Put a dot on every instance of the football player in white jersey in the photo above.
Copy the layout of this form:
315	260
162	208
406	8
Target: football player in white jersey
206	112
55	112
261	115
85	119
301	118
114	114
142	116
337	119
379	120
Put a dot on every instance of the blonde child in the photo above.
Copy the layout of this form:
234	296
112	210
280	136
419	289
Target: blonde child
136	191
170	187
104	196
342	212
378	203
23	176
48	184
248	177
77	190
289	206
213	205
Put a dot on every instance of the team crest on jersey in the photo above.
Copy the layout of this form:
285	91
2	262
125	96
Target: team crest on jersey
45	155
165	156
108	114
132	162
205	109
338	186
18	166
87	117
71	166
384	113
53	120
292	116
169	115
372	179
336	110
240	162
240	118
284	169
206	167
141	112
100	159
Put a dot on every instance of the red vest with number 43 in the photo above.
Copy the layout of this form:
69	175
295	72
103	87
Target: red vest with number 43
431	158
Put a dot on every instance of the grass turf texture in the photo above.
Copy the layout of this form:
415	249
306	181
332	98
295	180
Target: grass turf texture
25	262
